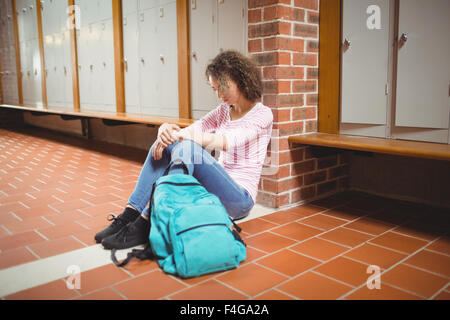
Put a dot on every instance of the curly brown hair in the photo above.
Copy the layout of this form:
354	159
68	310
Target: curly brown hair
233	65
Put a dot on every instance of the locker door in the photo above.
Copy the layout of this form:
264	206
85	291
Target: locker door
105	9
423	77
167	60
84	63
95	89
57	70
203	40
131	57
67	71
232	25
148	41
106	77
365	56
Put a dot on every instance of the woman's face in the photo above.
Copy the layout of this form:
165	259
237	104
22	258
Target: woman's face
229	94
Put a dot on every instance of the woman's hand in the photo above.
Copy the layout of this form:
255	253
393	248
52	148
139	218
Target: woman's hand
158	150
166	134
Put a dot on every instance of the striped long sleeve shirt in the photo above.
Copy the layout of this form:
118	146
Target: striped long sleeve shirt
247	141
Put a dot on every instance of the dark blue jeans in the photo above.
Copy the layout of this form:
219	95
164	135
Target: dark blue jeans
203	167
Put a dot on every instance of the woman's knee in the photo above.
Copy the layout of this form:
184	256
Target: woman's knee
239	210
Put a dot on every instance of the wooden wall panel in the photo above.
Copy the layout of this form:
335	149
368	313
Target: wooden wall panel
329	65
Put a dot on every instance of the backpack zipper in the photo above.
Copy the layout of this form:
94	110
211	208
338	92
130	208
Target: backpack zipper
180	183
203	225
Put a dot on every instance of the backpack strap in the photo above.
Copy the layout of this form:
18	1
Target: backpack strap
141	254
236	230
185	168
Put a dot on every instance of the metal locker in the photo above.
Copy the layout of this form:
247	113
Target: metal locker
423	77
231	25
36	73
67	71
131	56
84	62
104	9
203	41
158	59
147	67
167	59
365	58
129	7
104	75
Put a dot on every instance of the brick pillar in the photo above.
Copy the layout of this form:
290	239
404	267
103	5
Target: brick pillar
284	38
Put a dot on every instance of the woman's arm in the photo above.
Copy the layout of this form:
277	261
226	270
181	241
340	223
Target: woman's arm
205	139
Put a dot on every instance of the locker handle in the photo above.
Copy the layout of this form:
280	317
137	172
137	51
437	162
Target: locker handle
346	44
125	62
402	40
65	71
194	55
161	57
142	60
91	67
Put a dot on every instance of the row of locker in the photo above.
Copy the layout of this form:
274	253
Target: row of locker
416	65
150	52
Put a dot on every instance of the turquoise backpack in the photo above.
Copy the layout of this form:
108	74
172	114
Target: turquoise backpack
191	233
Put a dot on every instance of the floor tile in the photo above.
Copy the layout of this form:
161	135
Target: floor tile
399	242
273	295
444	295
27	225
20	240
431	261
209	290
56	246
420	282
61	230
372	226
288	262
284	216
345	213
374	255
251	279
323	222
319	249
150	286
104	294
296	231
15	257
268	242
385	292
422	230
311	286
56	290
346	237
102	277
346	270
256	226
306	209
441	245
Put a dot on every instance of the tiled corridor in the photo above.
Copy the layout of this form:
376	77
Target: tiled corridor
55	194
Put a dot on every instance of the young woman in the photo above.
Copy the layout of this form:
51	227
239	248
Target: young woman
240	128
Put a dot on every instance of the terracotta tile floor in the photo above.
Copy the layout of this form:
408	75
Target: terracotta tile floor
56	191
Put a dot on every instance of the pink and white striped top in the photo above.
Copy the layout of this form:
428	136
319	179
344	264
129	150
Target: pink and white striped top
247	141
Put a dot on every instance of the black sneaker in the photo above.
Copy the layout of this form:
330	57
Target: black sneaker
127	216
133	234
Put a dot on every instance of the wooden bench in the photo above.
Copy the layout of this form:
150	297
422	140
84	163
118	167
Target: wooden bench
109	118
427	150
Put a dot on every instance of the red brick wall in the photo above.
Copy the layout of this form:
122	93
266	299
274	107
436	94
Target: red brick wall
284	38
